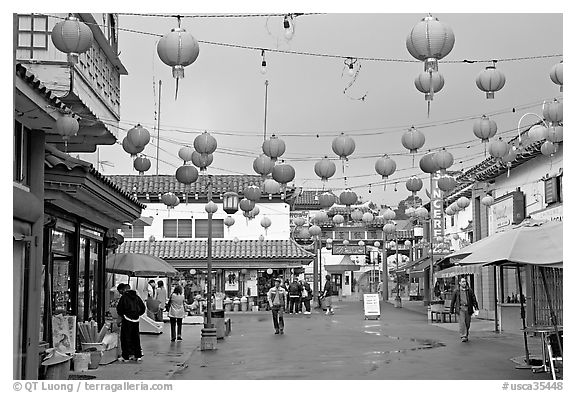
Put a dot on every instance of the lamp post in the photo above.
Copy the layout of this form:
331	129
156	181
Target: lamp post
208	333
316	232
398	299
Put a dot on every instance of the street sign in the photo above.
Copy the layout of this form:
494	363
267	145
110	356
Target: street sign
371	306
351	249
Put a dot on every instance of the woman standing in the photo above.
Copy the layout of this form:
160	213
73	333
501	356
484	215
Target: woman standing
176	313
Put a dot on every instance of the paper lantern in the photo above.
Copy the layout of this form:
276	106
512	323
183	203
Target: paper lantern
490	80
315	230
67	126
170	200
326	199
449	211
385	166
343	146
537	133
229	221
186	174
429	83
548	148
273	147
252	193
271	187
389	228
211	207
555	134
488	200
263	165
265	222
338	219
414	184
348	197
205	143
138	136
553	111
430	40
413	140
557	75
443	159
72	37
304	233
325	168
498	148
185	153
367	217
130	148
428	164
202	161
421	212
283	173
345	242
142	164
178	49
299	221
407	243
463	202
320	217
409	212
246	205
447	183
484	128
388	214
356	215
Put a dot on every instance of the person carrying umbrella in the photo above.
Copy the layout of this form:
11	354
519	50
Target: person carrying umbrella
464	302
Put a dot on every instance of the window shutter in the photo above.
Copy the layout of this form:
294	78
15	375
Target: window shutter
169	228
201	228
185	228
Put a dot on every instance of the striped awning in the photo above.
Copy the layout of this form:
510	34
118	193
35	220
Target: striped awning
459	271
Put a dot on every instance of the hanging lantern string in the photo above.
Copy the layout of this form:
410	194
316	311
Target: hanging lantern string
378	59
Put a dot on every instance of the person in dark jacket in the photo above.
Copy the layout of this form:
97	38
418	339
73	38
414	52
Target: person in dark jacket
294	294
464	303
129	308
328	293
306	296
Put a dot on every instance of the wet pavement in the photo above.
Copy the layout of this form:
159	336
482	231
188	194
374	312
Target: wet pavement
401	345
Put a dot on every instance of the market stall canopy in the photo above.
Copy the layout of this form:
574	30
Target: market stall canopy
532	243
345	265
458	271
139	265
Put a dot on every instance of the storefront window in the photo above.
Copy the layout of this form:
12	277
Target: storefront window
61	289
60	241
81	276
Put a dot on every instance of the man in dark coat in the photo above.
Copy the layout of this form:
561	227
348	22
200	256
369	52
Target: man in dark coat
464	303
129	308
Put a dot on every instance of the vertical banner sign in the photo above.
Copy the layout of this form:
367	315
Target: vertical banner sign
436	207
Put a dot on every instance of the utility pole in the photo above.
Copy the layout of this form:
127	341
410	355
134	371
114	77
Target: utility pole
158	126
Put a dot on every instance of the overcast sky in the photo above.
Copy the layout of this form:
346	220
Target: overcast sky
223	91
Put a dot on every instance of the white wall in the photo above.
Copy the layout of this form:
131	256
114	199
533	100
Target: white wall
278	213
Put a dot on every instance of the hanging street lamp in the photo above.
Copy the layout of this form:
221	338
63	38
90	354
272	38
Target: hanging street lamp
230	202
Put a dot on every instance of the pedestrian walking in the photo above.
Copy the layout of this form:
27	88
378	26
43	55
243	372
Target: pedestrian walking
327	294
162	297
294	294
306	296
380	289
151	289
464	303
277	300
176	313
129	308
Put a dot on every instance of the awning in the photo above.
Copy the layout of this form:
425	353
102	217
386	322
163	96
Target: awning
459	271
345	265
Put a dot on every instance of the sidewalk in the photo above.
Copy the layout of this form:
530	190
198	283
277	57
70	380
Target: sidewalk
402	344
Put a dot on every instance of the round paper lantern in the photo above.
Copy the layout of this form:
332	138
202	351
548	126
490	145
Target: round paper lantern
320	217
229	221
484	128
326	199
510	157
211	207
376	243
463	202
553	111
454	206
449	211
252	213
299	221
537	133
409	212
443	159
356	215
72	37
315	230
348	197
385	166
138	136
367	217
498	149
185	153
325	169
488	200
142	164
178	49
246	205
265	222
388	214
186	174
430	40
252	193
490	80
283	173
273	147
391	244
361	243
170	199
202	161
555	134
429	83
447	183
263	165
548	148
130	148
557	75
407	243
414	184
338	219
428	164
389	228
271	186
413	140
304	233
343	146
421	212
269	271
67	126
345	242
205	143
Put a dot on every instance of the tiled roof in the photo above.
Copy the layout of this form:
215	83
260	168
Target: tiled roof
310	198
150	186
54	157
222	249
33	81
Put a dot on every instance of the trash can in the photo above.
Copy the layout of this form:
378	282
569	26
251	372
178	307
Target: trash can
217	321
244	303
236	303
